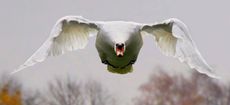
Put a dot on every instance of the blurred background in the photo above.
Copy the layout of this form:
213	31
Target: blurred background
25	25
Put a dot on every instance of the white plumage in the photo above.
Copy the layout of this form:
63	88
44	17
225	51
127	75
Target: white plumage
118	42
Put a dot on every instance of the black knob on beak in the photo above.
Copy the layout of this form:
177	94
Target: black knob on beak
120	45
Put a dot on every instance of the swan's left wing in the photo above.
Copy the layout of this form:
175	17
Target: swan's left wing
68	34
173	38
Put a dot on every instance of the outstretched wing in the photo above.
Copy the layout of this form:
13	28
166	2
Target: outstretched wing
173	38
68	34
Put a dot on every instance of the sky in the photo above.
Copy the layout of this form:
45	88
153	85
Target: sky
25	25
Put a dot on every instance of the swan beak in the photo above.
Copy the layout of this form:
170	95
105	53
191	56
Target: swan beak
120	49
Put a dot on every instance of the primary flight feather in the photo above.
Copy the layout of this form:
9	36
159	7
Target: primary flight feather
118	42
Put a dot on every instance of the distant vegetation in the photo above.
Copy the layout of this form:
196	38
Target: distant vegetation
165	89
10	91
59	92
161	89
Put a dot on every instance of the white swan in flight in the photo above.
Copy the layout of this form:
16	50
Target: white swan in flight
118	42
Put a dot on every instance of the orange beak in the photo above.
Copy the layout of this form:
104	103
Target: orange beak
120	51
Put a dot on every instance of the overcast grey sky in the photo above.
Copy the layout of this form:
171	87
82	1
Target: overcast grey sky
25	25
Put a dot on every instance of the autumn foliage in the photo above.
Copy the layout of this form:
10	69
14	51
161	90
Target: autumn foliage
10	91
166	89
7	98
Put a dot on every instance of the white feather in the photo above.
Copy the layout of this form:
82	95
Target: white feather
179	45
68	34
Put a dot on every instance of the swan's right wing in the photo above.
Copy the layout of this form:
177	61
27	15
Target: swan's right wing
180	45
69	33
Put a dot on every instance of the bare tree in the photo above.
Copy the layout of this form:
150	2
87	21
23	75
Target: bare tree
165	89
60	92
64	92
68	92
95	94
32	98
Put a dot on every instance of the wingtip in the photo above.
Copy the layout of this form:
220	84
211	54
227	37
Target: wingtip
211	74
13	72
214	76
17	70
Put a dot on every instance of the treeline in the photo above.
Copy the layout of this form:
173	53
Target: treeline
161	89
58	92
198	89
